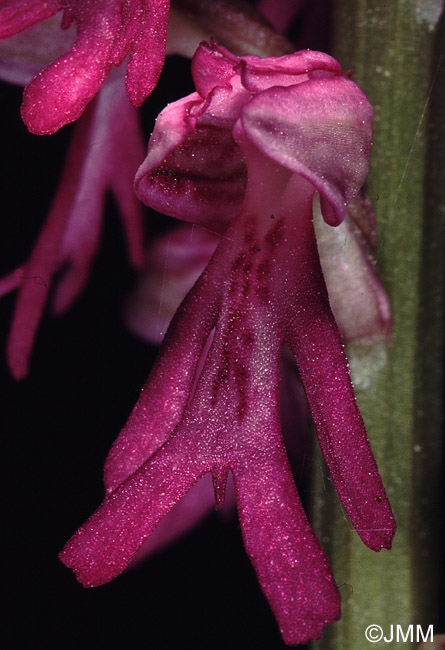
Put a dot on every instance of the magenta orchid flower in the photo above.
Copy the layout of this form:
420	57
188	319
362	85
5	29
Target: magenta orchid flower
104	154
108	31
244	156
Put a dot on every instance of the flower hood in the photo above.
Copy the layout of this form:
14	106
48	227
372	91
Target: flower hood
292	108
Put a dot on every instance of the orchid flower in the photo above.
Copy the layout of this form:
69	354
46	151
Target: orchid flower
244	156
107	32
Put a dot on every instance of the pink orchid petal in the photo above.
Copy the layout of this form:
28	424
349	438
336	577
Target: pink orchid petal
113	152
292	569
212	65
60	93
83	229
241	432
259	74
230	421
11	281
127	152
18	15
211	404
340	429
193	168
113	149
43	263
106	543
316	344
357	297
195	174
107	32
296	127
167	390
97	160
147	56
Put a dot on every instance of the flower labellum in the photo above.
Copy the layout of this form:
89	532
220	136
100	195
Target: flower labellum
244	156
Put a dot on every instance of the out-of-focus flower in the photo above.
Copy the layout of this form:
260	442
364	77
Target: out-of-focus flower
108	31
244	156
105	151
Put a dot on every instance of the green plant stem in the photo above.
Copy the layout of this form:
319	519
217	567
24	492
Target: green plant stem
395	49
